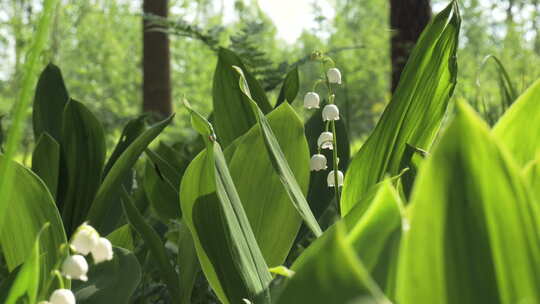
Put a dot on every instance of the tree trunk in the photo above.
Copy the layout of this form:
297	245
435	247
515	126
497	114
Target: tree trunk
408	18
156	63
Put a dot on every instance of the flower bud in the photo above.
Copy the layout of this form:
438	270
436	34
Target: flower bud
75	267
317	162
102	251
62	296
311	100
84	239
332	181
334	75
325	140
330	112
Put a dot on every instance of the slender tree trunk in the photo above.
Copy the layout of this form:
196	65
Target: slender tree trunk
156	63
408	18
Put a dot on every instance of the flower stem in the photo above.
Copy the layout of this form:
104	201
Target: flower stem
335	162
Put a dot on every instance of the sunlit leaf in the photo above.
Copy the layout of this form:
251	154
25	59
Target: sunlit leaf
512	127
474	235
416	110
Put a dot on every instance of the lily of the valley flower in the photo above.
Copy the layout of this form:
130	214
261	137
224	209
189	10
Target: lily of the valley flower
102	251
330	112
311	100
325	140
317	162
62	296
334	75
75	267
332	181
84	239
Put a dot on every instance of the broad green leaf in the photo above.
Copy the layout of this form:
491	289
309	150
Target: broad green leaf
188	263
49	103
330	272
375	233
416	110
273	218
122	237
373	230
224	241
524	114
46	161
29	74
83	154
161	183
29	208
474	233
290	87
532	174
279	162
26	285
153	243
131	131
110	281
106	210
319	194
232	113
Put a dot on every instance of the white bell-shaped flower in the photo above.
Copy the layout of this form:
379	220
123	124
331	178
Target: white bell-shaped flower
75	267
311	100
102	251
317	162
84	239
62	296
330	112
325	140
331	180
44	302
333	75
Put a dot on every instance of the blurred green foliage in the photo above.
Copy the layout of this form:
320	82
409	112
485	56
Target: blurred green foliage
97	44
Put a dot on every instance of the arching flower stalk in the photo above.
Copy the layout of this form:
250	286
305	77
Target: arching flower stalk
330	113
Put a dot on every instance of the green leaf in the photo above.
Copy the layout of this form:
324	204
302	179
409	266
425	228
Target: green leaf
532	174
161	183
106	210
49	103
46	161
232	112
524	114
474	235
273	218
20	107
279	162
83	154
375	233
26	285
30	207
330	272
110	281
417	108
187	262
224	241
122	237
290	87
131	131
153	243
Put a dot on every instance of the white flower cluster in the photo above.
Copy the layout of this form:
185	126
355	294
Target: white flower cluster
85	240
330	113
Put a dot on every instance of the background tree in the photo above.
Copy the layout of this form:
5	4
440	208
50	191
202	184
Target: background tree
408	18
156	62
